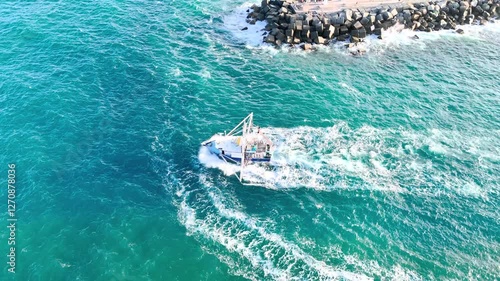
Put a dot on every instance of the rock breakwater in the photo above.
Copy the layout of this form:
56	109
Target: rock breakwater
286	24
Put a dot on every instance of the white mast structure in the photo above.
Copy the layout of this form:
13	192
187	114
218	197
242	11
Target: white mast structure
246	127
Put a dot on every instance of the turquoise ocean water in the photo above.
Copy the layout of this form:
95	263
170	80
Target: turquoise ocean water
387	165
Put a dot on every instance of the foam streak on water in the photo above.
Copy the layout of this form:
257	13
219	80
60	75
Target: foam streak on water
370	158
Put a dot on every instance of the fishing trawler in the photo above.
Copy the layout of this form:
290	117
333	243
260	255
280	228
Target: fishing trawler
244	144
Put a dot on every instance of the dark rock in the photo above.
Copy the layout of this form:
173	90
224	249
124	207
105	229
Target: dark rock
329	34
280	36
314	35
360	33
365	21
358	25
386	15
270	39
319	27
355	39
340	20
357	16
478	10
459	31
343	29
244	28
348	14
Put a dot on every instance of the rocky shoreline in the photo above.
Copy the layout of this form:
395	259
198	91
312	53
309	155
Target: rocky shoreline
286	25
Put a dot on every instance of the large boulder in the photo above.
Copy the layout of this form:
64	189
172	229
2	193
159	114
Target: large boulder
343	29
330	33
357	16
386	15
319	27
348	14
314	36
357	25
360	33
270	39
365	21
340	20
298	25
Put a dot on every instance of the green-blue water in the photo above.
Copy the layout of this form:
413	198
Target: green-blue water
389	164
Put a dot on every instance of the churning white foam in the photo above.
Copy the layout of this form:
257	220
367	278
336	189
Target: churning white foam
235	22
212	161
370	158
248	244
